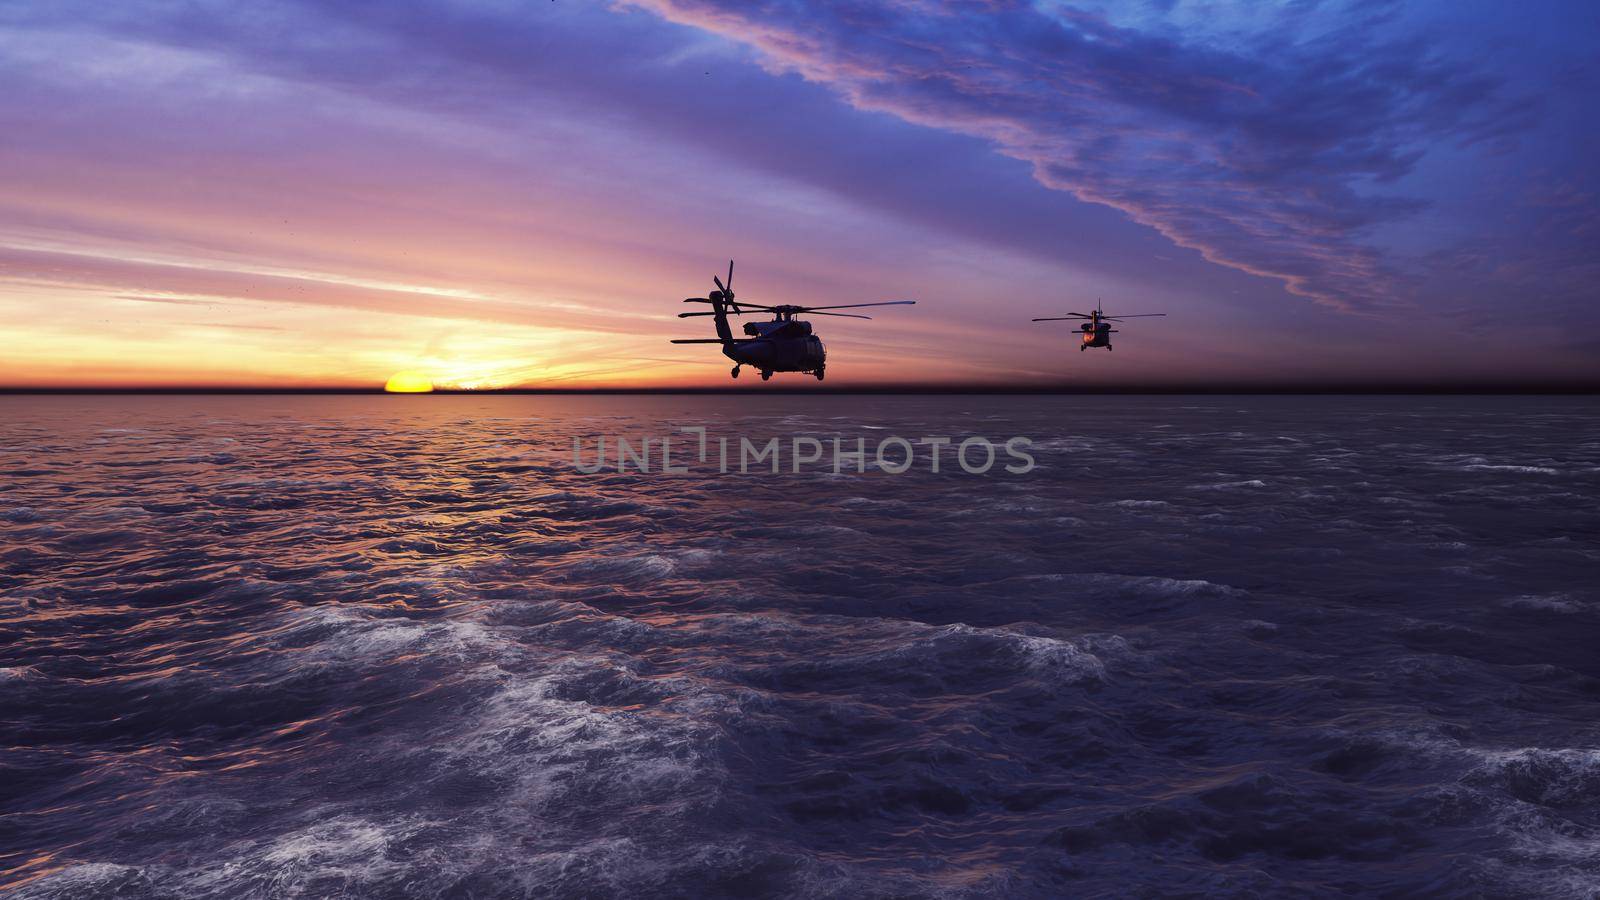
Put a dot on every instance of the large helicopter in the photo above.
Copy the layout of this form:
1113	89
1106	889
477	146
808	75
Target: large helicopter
1097	331
784	344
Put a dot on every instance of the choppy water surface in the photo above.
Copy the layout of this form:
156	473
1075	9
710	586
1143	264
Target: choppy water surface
398	647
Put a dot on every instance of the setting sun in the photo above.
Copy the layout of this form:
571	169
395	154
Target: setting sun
409	383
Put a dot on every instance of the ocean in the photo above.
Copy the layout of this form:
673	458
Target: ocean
393	647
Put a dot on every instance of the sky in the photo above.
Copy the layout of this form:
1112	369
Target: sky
197	193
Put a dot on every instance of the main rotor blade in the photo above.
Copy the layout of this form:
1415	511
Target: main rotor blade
692	314
714	340
840	315
1133	316
1060	318
738	305
855	305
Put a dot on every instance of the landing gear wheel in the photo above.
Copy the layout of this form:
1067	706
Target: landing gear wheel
766	375
1082	348
736	371
1108	347
819	374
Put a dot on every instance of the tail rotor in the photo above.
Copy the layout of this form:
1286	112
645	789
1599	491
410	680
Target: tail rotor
727	289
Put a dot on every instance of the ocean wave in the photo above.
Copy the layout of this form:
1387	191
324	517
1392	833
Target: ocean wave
1560	778
953	654
631	570
1153	586
21	514
1554	603
1532	470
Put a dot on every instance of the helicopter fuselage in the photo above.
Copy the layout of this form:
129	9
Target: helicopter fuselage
1097	334
779	346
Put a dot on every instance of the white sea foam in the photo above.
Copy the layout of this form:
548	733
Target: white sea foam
1555	603
87	879
1534	470
349	637
1147	585
1561	777
1248	484
623	569
1061	660
557	749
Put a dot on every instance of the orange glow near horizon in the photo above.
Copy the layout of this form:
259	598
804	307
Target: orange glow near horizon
408	383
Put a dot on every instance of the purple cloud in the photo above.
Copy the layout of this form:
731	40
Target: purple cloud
1269	153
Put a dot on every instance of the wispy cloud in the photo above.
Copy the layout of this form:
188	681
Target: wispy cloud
1268	153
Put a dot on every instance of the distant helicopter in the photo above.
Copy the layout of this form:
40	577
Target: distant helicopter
1097	331
785	344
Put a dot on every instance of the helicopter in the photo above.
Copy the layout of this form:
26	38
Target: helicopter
784	344
1097	331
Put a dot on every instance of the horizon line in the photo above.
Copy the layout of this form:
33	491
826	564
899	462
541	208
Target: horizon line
1566	388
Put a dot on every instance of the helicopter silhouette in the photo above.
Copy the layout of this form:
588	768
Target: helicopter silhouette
1097	331
783	344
